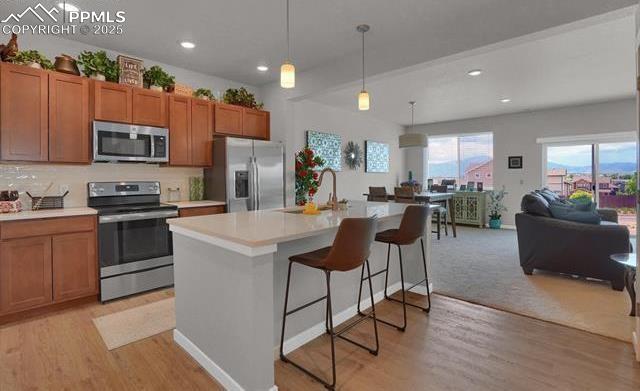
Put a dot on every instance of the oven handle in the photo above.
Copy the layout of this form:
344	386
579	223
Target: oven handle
137	216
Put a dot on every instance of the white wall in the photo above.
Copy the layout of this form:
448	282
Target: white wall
516	134
290	120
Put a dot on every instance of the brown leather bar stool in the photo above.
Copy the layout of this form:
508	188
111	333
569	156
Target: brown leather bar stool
412	227
350	250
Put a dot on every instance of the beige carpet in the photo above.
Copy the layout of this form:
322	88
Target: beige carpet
482	266
124	327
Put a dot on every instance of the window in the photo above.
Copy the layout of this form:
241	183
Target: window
465	158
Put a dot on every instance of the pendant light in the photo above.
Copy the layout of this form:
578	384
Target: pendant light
413	139
363	96
288	70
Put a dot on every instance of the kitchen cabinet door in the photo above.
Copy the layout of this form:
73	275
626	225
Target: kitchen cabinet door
69	124
112	102
75	266
228	119
24	121
149	107
201	133
255	124
179	130
25	273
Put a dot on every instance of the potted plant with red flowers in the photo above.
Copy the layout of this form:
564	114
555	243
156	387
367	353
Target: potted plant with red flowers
307	162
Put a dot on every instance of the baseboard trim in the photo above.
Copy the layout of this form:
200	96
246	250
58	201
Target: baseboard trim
317	330
635	340
209	365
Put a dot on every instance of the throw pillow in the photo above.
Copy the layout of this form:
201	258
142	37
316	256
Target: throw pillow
571	213
548	195
535	204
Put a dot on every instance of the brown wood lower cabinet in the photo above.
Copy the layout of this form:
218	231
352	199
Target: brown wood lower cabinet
201	211
25	273
75	271
49	265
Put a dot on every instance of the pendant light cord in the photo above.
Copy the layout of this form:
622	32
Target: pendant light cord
362	60
288	39
413	105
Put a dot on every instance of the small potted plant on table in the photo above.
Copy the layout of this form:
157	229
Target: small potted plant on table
98	66
157	79
32	58
496	207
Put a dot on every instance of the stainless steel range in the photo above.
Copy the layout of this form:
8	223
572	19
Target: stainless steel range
134	242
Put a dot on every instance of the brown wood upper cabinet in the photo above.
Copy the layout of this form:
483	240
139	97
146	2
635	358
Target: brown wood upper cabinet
24	118
228	119
69	124
201	133
149	107
179	130
190	131
112	102
115	102
255	124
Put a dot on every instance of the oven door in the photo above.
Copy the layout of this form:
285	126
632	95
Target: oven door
121	142
134	241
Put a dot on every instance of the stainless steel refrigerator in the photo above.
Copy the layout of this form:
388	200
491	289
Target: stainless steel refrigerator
246	174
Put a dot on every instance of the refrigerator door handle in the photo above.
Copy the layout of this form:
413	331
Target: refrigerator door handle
252	185
257	179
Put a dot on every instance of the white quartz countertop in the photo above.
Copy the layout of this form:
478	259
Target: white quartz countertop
47	213
195	204
268	227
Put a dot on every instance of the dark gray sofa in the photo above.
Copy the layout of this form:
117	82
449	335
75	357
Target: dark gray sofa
568	247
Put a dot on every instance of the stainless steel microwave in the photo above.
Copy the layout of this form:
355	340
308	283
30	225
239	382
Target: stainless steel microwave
113	142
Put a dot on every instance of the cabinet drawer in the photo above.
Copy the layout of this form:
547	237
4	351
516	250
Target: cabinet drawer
201	211
41	227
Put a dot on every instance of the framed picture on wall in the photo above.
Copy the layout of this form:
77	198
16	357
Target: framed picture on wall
328	146
515	162
376	157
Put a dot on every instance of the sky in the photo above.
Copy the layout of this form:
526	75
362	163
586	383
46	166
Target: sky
580	155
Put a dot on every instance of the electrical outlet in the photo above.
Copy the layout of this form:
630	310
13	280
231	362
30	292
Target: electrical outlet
63	188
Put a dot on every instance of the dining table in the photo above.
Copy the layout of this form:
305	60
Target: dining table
429	197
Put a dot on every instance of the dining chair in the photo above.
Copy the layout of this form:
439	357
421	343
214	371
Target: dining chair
377	194
404	195
440	215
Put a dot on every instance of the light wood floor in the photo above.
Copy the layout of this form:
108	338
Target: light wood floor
459	346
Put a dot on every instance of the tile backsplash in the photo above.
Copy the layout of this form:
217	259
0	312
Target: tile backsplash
35	178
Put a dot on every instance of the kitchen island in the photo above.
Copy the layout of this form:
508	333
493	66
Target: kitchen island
230	275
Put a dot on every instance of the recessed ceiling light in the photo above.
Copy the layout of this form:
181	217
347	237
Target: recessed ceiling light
475	72
262	68
505	100
68	7
187	44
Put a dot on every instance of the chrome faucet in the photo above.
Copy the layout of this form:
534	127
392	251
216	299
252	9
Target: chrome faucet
333	195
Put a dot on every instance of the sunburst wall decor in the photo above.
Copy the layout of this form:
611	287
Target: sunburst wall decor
352	155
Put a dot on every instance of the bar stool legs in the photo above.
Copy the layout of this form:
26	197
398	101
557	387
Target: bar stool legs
386	282
329	325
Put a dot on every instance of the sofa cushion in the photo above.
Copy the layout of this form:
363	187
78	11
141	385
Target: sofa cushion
571	213
535	204
548	195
